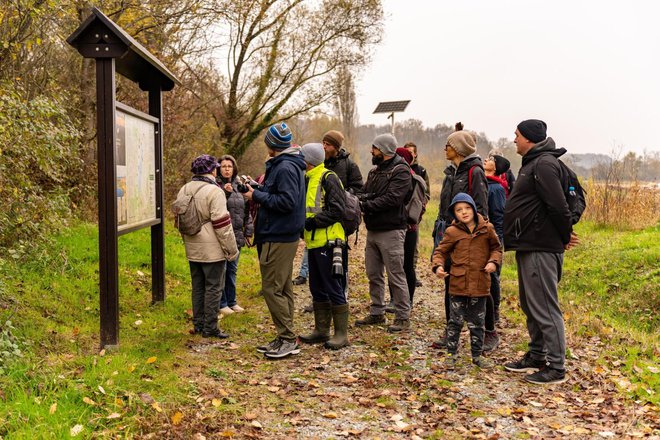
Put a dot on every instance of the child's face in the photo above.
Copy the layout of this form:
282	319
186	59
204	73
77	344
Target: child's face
464	212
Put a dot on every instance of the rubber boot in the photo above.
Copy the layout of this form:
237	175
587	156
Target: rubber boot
322	320
340	338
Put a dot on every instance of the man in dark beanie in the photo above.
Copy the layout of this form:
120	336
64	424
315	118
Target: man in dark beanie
279	222
337	159
209	249
537	225
382	201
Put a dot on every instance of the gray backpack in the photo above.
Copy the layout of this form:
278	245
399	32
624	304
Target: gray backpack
418	199
186	217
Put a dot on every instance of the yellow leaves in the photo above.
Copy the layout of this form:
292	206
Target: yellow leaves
157	407
89	401
131	368
216	402
152	359
504	411
53	408
177	417
330	415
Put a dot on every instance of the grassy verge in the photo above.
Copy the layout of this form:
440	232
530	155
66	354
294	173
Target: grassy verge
50	294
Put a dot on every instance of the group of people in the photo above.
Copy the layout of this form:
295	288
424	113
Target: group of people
303	194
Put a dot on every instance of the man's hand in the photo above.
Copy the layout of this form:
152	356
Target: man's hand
248	195
574	241
440	272
490	268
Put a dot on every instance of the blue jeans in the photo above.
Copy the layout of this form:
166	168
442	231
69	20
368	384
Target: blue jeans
304	265
229	292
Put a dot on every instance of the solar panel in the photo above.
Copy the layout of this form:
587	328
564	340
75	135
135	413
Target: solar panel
391	106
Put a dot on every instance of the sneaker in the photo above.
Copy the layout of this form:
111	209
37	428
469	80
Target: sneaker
482	362
440	343
400	325
217	333
226	311
525	365
309	308
371	320
491	341
418	283
299	281
450	361
285	349
389	308
272	345
238	309
547	376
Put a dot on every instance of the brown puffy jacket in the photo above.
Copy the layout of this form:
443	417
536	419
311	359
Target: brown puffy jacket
469	252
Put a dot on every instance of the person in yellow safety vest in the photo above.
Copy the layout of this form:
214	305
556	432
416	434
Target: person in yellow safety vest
326	244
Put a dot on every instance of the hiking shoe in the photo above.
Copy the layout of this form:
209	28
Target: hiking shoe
547	376
371	320
309	308
195	331
491	341
525	365
299	281
285	349
450	361
217	333
440	343
272	345
482	362
418	283
236	308
400	325
226	311
389	308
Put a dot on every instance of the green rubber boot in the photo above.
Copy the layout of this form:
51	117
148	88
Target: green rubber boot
340	338
322	320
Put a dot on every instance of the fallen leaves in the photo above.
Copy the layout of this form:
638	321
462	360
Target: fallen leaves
75	430
152	359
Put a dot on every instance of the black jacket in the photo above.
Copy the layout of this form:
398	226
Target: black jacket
536	216
456	181
347	170
387	188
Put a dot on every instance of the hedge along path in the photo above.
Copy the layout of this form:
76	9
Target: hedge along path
394	386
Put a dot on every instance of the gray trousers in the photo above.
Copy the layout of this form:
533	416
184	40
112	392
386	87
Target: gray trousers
276	265
538	276
208	280
385	250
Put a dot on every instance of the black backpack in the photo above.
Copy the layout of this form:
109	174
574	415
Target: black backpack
352	215
574	194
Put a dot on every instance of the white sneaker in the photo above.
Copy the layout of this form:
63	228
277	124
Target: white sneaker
226	311
237	308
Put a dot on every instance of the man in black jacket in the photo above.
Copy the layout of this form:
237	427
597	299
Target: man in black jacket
337	159
537	225
383	199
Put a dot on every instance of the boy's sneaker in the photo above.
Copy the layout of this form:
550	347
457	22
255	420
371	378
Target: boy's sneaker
285	349
450	361
399	325
371	320
525	365
547	376
482	362
299	281
272	345
491	341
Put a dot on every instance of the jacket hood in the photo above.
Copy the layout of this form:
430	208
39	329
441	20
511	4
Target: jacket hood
233	161
546	146
465	198
290	155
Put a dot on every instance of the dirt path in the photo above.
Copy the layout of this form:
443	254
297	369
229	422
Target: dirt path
386	386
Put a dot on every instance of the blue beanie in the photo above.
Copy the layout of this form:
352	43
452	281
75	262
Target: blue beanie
278	137
465	198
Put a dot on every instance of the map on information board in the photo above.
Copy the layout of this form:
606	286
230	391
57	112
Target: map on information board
136	176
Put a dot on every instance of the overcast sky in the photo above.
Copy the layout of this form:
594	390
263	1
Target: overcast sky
590	69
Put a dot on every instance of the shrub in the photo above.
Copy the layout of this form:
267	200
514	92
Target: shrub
38	151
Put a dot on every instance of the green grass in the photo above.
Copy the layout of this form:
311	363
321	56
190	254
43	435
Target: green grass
610	289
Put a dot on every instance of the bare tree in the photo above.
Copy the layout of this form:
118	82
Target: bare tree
345	104
280	58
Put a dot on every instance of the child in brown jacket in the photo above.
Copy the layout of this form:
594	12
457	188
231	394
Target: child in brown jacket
475	251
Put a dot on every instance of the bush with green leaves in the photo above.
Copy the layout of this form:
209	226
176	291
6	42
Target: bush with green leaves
38	150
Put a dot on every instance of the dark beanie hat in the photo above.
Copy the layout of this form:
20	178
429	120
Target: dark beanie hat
533	130
334	138
407	155
278	137
502	164
203	164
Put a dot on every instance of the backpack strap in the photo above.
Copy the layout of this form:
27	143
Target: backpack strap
470	179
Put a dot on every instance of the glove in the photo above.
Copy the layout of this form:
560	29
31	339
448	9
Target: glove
310	224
